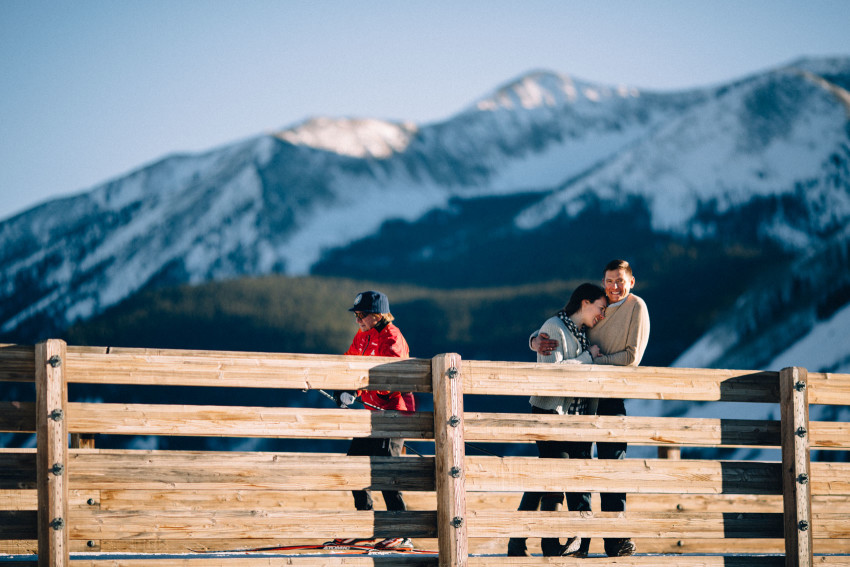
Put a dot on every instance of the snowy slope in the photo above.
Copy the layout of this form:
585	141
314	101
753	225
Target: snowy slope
825	348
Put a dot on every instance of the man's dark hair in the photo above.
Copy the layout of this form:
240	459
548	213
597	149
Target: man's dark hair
618	265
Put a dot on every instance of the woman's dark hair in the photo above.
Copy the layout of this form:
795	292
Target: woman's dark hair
588	291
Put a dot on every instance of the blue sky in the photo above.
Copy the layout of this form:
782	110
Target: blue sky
93	89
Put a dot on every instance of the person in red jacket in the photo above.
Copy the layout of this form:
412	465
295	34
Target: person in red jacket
377	336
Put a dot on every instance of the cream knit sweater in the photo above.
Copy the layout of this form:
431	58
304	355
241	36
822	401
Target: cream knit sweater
623	333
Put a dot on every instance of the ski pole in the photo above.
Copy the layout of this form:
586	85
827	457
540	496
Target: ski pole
331	398
485	451
367	404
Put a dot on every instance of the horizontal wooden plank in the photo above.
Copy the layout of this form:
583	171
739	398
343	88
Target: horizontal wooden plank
829	434
19	547
170	524
636	561
613	524
488	545
17	363
729	546
634	430
473	561
828	388
429	561
823	503
182	524
656	431
644	382
250	370
633	561
673	546
830	479
693	503
18	499
629	475
17	469
94	469
827	525
203	545
28	499
17	417
235	421
304	500
263	561
200	500
645	476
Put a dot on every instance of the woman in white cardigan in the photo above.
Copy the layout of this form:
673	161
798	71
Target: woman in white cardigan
585	308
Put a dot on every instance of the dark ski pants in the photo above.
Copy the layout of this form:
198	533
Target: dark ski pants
615	501
553	501
377	447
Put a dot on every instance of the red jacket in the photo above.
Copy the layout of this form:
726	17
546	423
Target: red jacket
388	341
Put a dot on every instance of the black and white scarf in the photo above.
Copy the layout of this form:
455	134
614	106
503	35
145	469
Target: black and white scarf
578	406
577	333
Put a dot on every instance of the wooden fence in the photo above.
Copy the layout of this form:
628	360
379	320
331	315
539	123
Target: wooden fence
75	504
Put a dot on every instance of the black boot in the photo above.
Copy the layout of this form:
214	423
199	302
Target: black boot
551	547
616	547
517	548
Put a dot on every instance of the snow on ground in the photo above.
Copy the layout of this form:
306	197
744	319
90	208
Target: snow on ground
360	212
558	162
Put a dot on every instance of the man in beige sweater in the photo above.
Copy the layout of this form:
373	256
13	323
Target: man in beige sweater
622	336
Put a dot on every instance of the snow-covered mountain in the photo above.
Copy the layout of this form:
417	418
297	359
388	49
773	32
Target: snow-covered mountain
781	134
764	157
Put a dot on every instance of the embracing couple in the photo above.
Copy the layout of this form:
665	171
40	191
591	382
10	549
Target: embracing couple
598	325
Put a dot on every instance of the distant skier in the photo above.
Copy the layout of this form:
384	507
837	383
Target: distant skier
377	336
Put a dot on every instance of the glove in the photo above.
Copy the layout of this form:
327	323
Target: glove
344	399
347	399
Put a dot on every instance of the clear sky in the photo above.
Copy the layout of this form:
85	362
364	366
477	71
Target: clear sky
92	89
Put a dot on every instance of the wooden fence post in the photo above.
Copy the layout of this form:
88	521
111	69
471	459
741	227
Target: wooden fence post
82	441
796	485
669	452
449	460
52	453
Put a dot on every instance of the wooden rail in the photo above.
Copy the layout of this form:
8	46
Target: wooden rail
69	503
